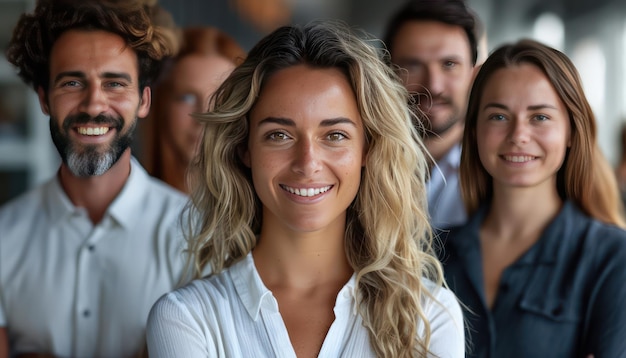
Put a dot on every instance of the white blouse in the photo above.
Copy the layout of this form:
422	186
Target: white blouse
233	314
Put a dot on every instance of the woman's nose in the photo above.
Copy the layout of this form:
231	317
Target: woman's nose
307	158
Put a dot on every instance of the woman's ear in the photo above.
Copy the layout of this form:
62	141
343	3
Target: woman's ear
570	134
244	155
365	155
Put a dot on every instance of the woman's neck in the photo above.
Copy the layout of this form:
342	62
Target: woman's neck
302	260
521	213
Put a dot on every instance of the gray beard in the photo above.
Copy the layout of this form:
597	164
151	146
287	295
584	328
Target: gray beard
88	161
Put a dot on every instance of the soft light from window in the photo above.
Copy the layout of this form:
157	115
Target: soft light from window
623	61
549	29
591	64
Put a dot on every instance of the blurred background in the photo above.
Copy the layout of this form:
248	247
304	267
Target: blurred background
592	33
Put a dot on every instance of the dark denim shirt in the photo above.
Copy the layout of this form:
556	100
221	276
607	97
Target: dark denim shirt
564	297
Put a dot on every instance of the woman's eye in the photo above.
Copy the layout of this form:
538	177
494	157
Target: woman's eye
336	136
277	136
497	117
541	117
449	64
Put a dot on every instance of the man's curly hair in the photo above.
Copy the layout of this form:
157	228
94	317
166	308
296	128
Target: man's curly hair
36	33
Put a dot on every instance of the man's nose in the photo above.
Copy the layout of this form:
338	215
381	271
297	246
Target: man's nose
95	101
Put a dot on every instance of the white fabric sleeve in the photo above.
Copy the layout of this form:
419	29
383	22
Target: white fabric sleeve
172	331
447	337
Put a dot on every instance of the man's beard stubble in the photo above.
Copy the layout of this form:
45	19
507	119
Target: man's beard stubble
425	125
89	160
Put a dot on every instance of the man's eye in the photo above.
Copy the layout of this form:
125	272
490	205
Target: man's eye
71	84
188	98
115	84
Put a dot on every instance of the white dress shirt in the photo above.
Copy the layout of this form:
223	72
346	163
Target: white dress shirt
445	203
234	315
73	289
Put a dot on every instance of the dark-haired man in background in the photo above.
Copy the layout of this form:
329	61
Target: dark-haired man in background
434	45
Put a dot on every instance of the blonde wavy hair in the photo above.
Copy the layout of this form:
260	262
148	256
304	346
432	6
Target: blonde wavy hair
388	237
586	178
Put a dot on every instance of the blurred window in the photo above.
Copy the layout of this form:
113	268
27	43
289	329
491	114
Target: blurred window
549	29
590	61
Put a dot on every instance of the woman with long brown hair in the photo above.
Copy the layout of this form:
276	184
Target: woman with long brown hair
541	264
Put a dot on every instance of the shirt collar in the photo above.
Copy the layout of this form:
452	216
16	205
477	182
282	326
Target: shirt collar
452	159
57	204
552	242
129	201
556	238
468	236
251	290
122	209
254	295
346	296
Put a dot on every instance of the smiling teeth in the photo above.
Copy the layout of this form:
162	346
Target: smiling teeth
93	131
519	158
307	191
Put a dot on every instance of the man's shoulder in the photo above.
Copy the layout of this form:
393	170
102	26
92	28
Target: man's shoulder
25	204
165	191
155	195
26	216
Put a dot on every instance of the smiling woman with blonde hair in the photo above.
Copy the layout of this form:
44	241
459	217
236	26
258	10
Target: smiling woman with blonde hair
311	197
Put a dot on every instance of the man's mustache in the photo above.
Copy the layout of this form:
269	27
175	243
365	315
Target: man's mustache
83	118
421	99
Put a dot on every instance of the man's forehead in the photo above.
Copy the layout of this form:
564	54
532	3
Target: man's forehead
431	39
92	51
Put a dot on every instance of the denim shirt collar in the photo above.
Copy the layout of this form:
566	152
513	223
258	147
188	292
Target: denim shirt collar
551	243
